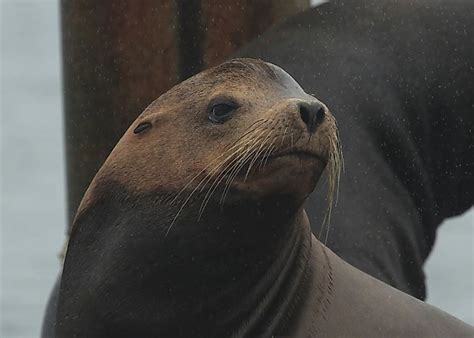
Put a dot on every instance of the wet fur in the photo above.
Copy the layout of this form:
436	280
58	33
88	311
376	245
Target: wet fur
188	187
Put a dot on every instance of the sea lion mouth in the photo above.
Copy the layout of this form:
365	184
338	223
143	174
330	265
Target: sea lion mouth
286	154
301	154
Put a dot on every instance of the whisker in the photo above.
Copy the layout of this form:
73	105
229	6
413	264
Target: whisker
216	183
283	137
234	172
250	129
271	149
237	169
260	150
240	158
334	173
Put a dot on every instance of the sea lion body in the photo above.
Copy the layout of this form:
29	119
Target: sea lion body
398	76
195	227
194	188
354	304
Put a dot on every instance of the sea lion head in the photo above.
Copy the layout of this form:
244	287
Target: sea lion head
243	129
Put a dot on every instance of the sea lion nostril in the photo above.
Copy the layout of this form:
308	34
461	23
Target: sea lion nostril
312	114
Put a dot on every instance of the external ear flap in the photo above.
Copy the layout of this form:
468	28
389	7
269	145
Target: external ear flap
142	127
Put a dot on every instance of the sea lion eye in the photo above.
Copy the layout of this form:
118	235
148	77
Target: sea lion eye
142	127
221	112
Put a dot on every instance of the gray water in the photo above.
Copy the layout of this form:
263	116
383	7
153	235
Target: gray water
33	191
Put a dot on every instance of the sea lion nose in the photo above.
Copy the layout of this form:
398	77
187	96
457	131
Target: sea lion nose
312	114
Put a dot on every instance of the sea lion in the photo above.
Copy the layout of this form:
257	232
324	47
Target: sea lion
195	227
398	76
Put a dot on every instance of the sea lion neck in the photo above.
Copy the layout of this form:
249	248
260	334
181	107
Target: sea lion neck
211	274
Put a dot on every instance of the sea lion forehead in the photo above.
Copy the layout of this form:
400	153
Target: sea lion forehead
253	69
261	73
245	68
229	73
236	77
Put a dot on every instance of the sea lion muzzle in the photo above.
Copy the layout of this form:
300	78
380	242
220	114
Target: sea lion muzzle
312	114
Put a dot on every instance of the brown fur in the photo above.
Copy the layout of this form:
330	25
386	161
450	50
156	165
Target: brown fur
183	143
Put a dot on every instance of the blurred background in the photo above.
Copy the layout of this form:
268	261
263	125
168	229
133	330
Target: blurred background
33	180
